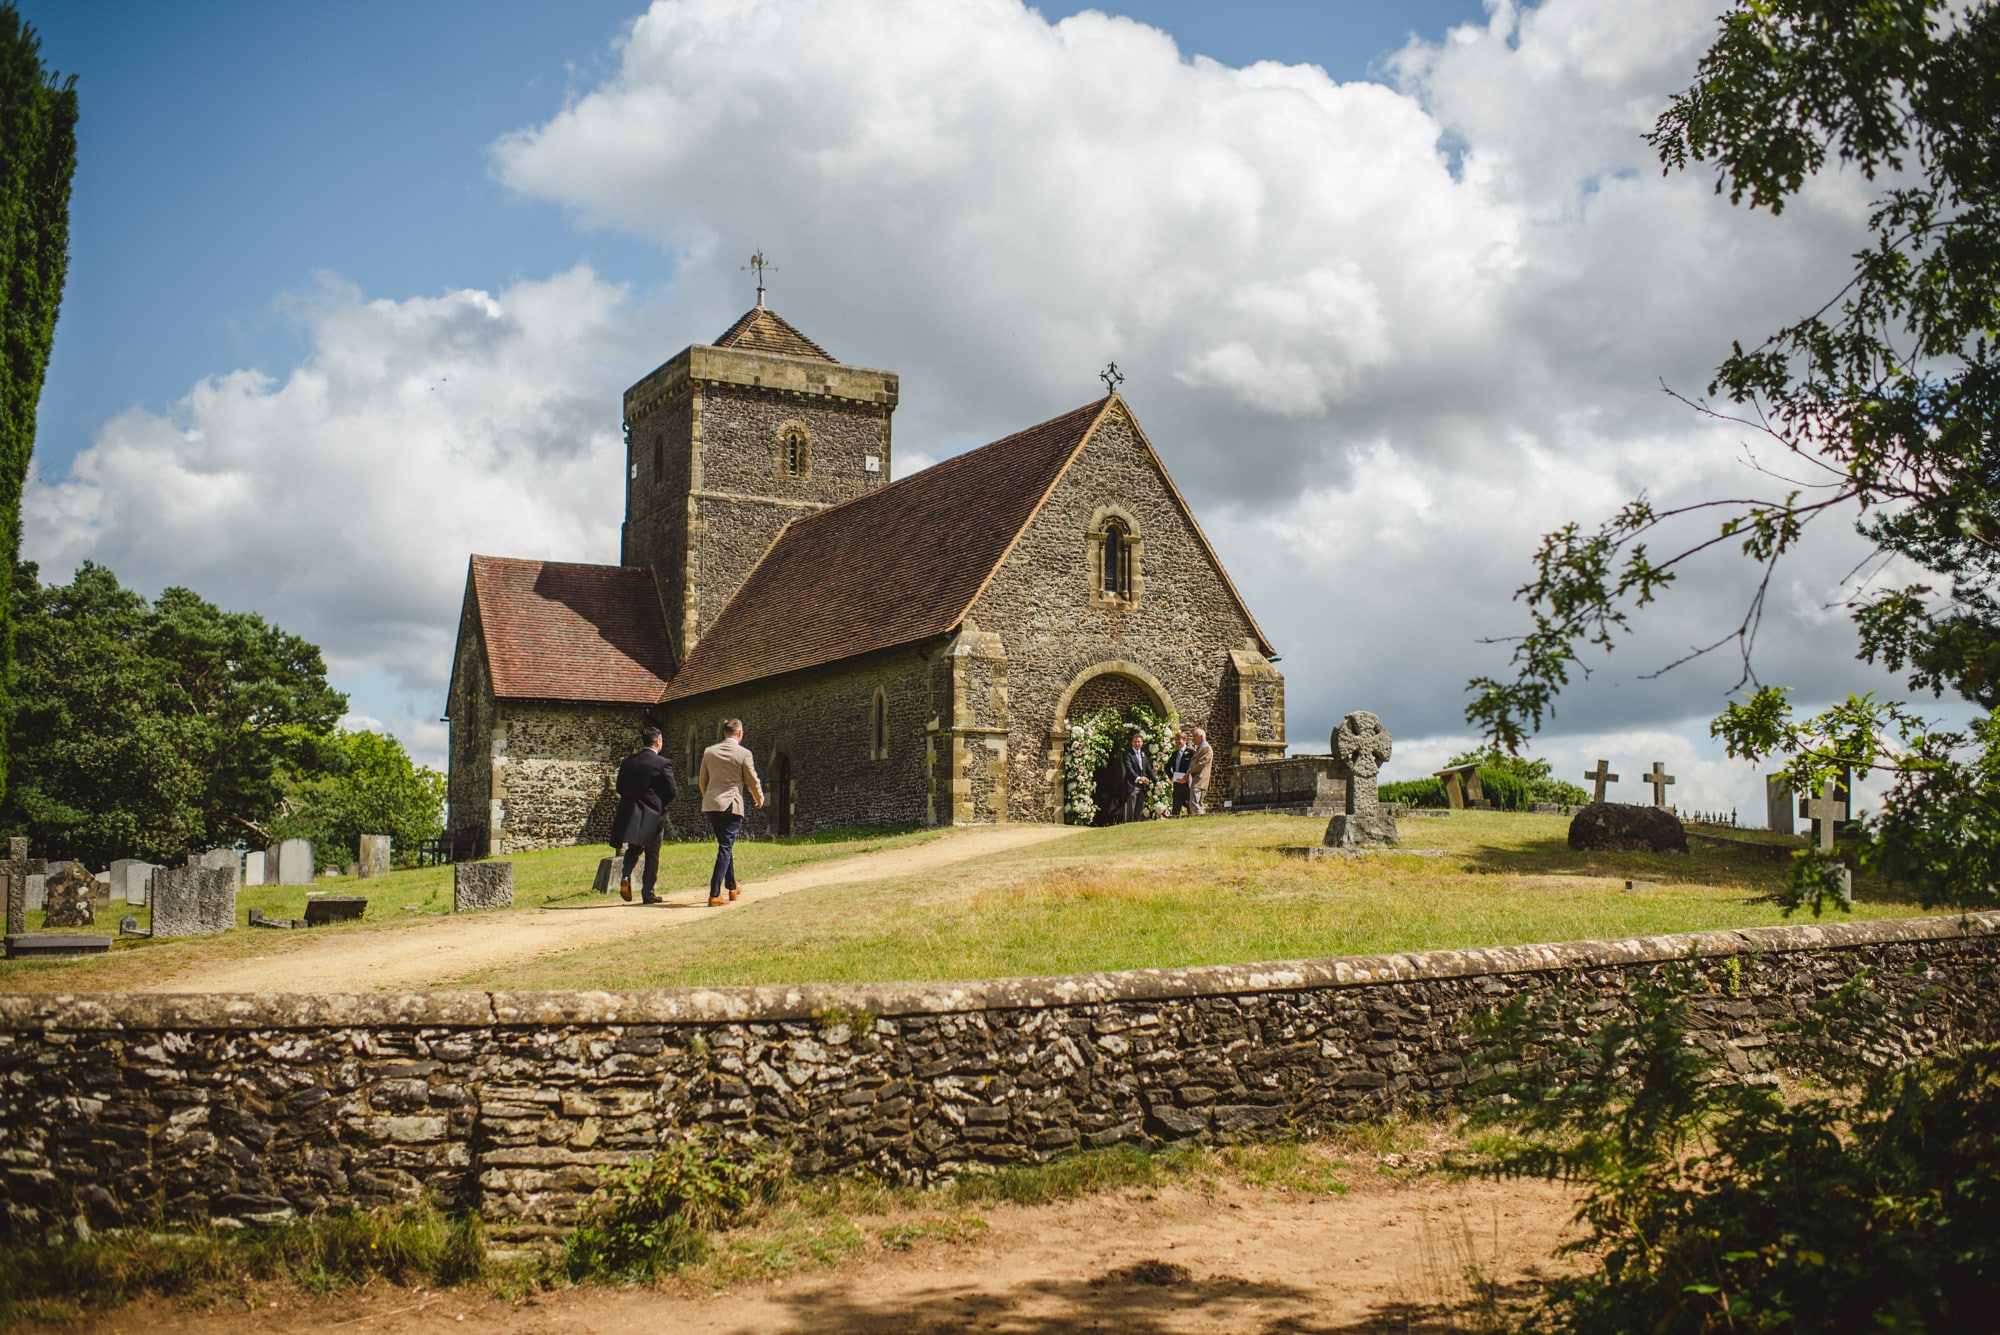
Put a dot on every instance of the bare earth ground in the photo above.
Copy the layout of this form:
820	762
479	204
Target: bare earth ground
435	955
1393	1255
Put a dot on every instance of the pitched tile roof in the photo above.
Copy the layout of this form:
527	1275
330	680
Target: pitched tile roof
887	568
762	329
557	631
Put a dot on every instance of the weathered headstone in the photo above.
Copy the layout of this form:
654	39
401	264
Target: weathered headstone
253	867
1598	778
193	900
225	859
38	893
607	876
1361	745
323	909
18	869
70	902
128	879
295	862
1461	786
374	856
1659	778
481	885
1778	803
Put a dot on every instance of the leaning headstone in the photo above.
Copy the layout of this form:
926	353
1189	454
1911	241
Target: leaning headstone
1361	746
481	885
193	900
374	856
607	876
253	867
295	862
69	898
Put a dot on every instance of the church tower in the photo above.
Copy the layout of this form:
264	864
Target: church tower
728	442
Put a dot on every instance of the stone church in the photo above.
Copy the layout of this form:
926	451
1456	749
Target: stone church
903	652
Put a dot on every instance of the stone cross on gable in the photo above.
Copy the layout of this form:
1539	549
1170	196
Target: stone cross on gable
1826	809
1361	744
1600	776
19	867
1659	778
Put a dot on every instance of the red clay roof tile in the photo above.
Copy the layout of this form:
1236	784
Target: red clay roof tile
892	567
560	631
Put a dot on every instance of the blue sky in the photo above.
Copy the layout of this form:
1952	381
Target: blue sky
354	290
229	151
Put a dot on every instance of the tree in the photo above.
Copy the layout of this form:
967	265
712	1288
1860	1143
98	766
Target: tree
151	730
37	158
373	788
1888	397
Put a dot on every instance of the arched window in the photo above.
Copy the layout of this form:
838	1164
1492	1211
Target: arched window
1115	579
794	450
878	726
693	772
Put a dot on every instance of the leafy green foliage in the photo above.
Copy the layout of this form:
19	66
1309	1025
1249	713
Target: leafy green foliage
655	1216
370	787
148	731
1504	790
1886	399
1537	776
1414	793
1095	738
1713	1205
37	160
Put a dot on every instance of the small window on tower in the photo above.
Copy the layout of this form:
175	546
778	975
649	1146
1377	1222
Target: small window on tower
794	450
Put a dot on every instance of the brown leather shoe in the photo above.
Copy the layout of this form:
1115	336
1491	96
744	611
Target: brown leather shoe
733	892
625	889
717	902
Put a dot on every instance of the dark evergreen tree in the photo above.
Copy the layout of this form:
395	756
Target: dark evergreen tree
37	159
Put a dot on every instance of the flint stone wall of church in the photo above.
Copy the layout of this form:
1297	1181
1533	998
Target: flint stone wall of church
120	1109
555	780
823	721
1182	631
658	453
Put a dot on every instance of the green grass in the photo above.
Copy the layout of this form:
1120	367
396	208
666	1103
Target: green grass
1215	891
551	876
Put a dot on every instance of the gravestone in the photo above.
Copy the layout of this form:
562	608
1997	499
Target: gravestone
70	901
1778	803
1361	745
1598	778
38	893
295	863
18	869
1659	778
1461	786
253	867
121	879
374	856
481	885
193	900
225	859
607	876
323	909
1810	807
1621	827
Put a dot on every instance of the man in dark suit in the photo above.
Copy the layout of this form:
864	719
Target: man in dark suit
1177	769
1137	771
645	786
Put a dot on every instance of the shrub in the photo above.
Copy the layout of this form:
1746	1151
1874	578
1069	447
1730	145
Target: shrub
1414	793
655	1216
1504	790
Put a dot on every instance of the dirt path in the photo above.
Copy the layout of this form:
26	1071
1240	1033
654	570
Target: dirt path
435	954
1385	1258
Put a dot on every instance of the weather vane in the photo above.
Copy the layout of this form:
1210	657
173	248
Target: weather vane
1112	377
757	265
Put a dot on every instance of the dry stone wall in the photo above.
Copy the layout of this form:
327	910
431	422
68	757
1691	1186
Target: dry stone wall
121	1109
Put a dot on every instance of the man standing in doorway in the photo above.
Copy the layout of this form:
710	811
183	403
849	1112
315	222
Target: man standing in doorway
1138	772
1177	769
645	786
728	777
1199	768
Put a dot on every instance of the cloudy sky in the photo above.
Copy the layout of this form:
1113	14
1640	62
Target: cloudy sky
355	289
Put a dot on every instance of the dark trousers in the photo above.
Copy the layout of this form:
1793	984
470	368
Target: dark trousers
727	825
1135	804
652	852
1183	799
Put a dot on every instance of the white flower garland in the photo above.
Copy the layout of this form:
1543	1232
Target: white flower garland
1093	737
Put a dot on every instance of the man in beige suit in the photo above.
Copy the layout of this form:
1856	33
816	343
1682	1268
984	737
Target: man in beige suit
1199	768
728	779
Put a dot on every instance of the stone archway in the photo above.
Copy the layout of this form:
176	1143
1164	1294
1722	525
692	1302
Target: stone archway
1112	684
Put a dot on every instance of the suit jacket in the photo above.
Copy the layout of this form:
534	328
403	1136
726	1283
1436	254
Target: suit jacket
1182	761
1136	764
1201	766
728	773
645	786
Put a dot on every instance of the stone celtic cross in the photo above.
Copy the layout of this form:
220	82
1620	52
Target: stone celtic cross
1659	778
1826	809
1361	744
1600	776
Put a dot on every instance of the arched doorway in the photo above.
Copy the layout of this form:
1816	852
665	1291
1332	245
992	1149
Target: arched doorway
781	795
1111	685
